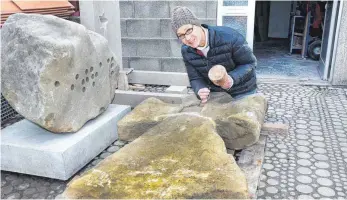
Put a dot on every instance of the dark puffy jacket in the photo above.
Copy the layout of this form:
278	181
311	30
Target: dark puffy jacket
227	48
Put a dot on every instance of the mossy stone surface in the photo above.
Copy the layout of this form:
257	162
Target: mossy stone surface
238	122
143	117
181	157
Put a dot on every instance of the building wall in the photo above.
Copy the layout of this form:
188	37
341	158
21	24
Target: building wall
339	72
148	42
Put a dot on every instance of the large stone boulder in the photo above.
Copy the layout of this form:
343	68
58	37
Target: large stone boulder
182	157
143	117
54	72
238	122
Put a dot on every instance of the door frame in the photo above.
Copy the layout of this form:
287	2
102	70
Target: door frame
331	67
331	43
248	11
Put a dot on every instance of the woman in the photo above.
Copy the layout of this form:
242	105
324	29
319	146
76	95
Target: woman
206	46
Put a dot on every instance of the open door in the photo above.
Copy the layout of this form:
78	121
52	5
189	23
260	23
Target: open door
328	39
238	14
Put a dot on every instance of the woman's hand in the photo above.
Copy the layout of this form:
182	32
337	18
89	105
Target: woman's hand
228	84
203	94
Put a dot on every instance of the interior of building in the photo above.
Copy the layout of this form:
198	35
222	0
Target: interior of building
288	37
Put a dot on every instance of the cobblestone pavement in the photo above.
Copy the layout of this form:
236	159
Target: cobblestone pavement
311	162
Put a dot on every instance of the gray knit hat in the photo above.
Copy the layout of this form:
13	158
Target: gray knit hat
182	16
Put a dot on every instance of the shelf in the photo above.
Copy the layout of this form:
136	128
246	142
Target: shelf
299	34
297	47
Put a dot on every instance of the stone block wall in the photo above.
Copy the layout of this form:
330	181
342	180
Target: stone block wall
148	42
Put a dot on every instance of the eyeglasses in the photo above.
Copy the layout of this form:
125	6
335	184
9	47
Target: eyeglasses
183	36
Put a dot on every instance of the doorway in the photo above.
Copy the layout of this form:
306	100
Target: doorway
291	39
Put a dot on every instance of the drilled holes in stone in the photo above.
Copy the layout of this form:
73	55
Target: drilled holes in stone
83	89
108	60
86	71
96	74
87	79
72	87
93	84
92	76
111	59
102	109
76	77
112	72
56	84
100	64
83	81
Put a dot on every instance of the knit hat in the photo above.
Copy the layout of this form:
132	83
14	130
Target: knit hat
182	16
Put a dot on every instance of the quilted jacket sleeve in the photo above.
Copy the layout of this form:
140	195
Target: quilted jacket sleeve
244	59
196	79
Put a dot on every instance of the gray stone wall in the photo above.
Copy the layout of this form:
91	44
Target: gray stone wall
339	75
148	42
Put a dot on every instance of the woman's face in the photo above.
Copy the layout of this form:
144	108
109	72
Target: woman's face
190	35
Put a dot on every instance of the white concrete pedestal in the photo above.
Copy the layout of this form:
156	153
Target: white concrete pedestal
29	149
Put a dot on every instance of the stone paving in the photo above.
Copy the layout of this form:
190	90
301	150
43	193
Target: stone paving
310	163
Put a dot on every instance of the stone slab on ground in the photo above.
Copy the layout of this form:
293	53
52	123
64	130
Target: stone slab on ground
29	149
278	129
177	90
183	157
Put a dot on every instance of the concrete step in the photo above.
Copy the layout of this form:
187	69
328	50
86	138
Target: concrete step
29	149
167	64
152	27
163	9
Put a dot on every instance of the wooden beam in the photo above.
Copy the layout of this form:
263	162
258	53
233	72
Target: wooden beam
250	162
133	98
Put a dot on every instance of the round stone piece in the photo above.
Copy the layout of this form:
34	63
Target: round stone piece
304	170
303	148
113	149
323	173
268	166
303	155
321	157
318	144
324	181
272	174
304	179
271	190
280	155
306	189
319	150
14	196
23	186
318	138
272	181
302	137
303	142
322	165
304	162
325	191
104	155
305	197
